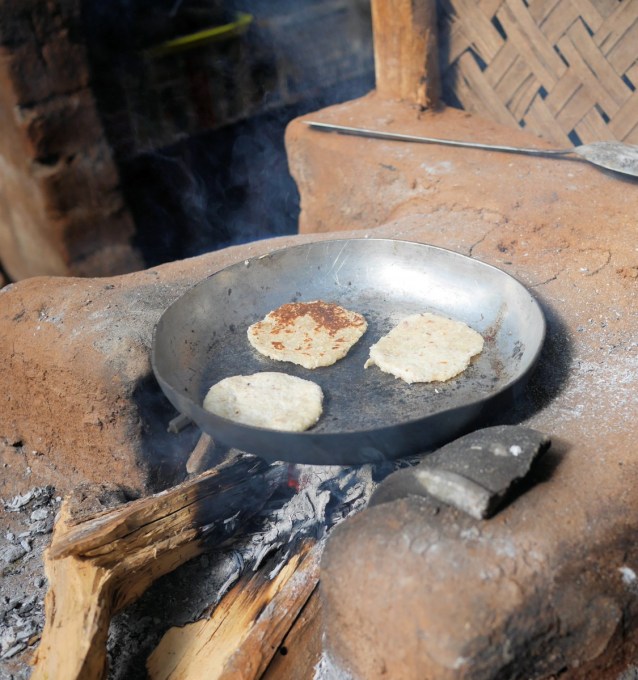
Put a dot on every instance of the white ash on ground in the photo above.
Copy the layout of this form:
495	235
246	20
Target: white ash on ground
26	522
328	669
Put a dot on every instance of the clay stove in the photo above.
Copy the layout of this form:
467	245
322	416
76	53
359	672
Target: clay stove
545	588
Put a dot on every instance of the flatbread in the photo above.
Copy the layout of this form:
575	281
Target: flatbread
273	400
426	348
310	334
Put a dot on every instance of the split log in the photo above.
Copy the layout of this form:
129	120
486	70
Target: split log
245	630
406	61
300	651
99	565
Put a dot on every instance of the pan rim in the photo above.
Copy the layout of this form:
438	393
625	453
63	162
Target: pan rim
197	413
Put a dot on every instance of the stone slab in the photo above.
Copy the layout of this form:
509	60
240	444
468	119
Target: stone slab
474	473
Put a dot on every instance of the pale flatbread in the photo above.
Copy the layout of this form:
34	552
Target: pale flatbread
310	334
273	400
426	348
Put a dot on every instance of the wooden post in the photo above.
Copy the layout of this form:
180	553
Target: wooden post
406	51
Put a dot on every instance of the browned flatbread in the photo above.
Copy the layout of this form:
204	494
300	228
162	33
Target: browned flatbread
310	334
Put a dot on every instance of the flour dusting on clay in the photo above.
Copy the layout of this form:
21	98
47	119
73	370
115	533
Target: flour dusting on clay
609	380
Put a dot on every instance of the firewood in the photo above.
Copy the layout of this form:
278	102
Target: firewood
104	562
206	454
300	651
196	460
245	630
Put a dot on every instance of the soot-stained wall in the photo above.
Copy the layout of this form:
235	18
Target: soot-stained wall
115	155
198	133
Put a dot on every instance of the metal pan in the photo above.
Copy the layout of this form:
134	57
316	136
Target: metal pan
368	415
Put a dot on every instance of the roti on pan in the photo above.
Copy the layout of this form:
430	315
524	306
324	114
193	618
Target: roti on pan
310	334
273	400
426	348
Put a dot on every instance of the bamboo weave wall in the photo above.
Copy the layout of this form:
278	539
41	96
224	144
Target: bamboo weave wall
566	70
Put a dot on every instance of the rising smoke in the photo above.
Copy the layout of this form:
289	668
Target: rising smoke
199	134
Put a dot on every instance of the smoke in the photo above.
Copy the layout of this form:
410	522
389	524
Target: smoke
199	136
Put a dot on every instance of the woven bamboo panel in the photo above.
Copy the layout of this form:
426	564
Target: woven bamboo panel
566	70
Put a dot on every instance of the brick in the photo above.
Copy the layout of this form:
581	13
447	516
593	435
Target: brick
112	259
67	64
108	259
62	126
15	24
121	131
84	180
51	16
88	234
24	20
37	72
26	74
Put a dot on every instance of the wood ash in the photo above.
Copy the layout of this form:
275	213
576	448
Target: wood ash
26	523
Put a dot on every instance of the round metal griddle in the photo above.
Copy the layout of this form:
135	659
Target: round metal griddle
368	415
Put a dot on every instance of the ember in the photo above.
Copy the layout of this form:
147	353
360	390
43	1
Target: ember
293	478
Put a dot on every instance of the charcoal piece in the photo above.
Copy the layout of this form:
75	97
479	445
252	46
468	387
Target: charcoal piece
473	473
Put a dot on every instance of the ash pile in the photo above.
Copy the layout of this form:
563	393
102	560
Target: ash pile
25	531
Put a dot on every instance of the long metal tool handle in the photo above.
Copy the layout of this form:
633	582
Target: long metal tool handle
362	132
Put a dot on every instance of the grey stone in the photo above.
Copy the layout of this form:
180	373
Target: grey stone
474	473
12	553
39	514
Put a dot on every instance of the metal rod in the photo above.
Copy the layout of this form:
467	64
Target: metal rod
376	134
